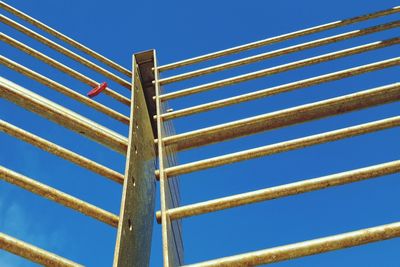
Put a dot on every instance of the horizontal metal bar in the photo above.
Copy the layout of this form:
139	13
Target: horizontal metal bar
60	151
64	51
58	196
280	52
63	89
286	117
282	88
62	116
280	68
67	70
279	38
307	248
65	38
281	191
283	146
33	253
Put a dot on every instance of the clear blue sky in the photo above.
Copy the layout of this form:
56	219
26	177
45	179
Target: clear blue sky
178	30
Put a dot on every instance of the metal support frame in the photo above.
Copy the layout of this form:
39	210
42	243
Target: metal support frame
151	137
270	121
138	197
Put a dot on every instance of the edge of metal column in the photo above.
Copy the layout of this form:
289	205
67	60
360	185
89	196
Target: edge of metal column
133	244
145	61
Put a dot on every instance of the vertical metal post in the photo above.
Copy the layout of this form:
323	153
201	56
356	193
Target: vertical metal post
171	239
138	198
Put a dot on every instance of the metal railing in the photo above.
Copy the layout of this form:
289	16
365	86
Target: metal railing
151	136
170	213
127	146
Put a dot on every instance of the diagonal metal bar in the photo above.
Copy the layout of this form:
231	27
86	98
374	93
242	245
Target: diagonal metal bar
280	68
307	248
64	38
283	190
58	196
286	117
64	51
280	52
60	151
283	146
282	88
279	38
33	253
65	117
67	70
63	89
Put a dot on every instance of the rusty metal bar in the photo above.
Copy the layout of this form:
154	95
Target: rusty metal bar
283	190
282	88
60	151
281	118
33	253
279	38
280	52
64	38
58	196
63	89
307	248
62	116
64	51
283	146
67	70
280	68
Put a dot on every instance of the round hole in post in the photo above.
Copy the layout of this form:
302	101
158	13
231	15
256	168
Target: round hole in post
130	225
133	181
136	150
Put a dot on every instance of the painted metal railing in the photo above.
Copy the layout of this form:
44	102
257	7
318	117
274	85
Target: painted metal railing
170	213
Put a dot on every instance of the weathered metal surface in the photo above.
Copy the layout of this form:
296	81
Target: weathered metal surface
171	231
64	51
279	38
307	248
64	38
282	88
60	151
282	118
58	196
63	116
281	191
63	89
67	70
284	146
280	68
145	61
135	227
280	52
33	253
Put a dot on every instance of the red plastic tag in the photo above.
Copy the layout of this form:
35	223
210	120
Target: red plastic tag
97	90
